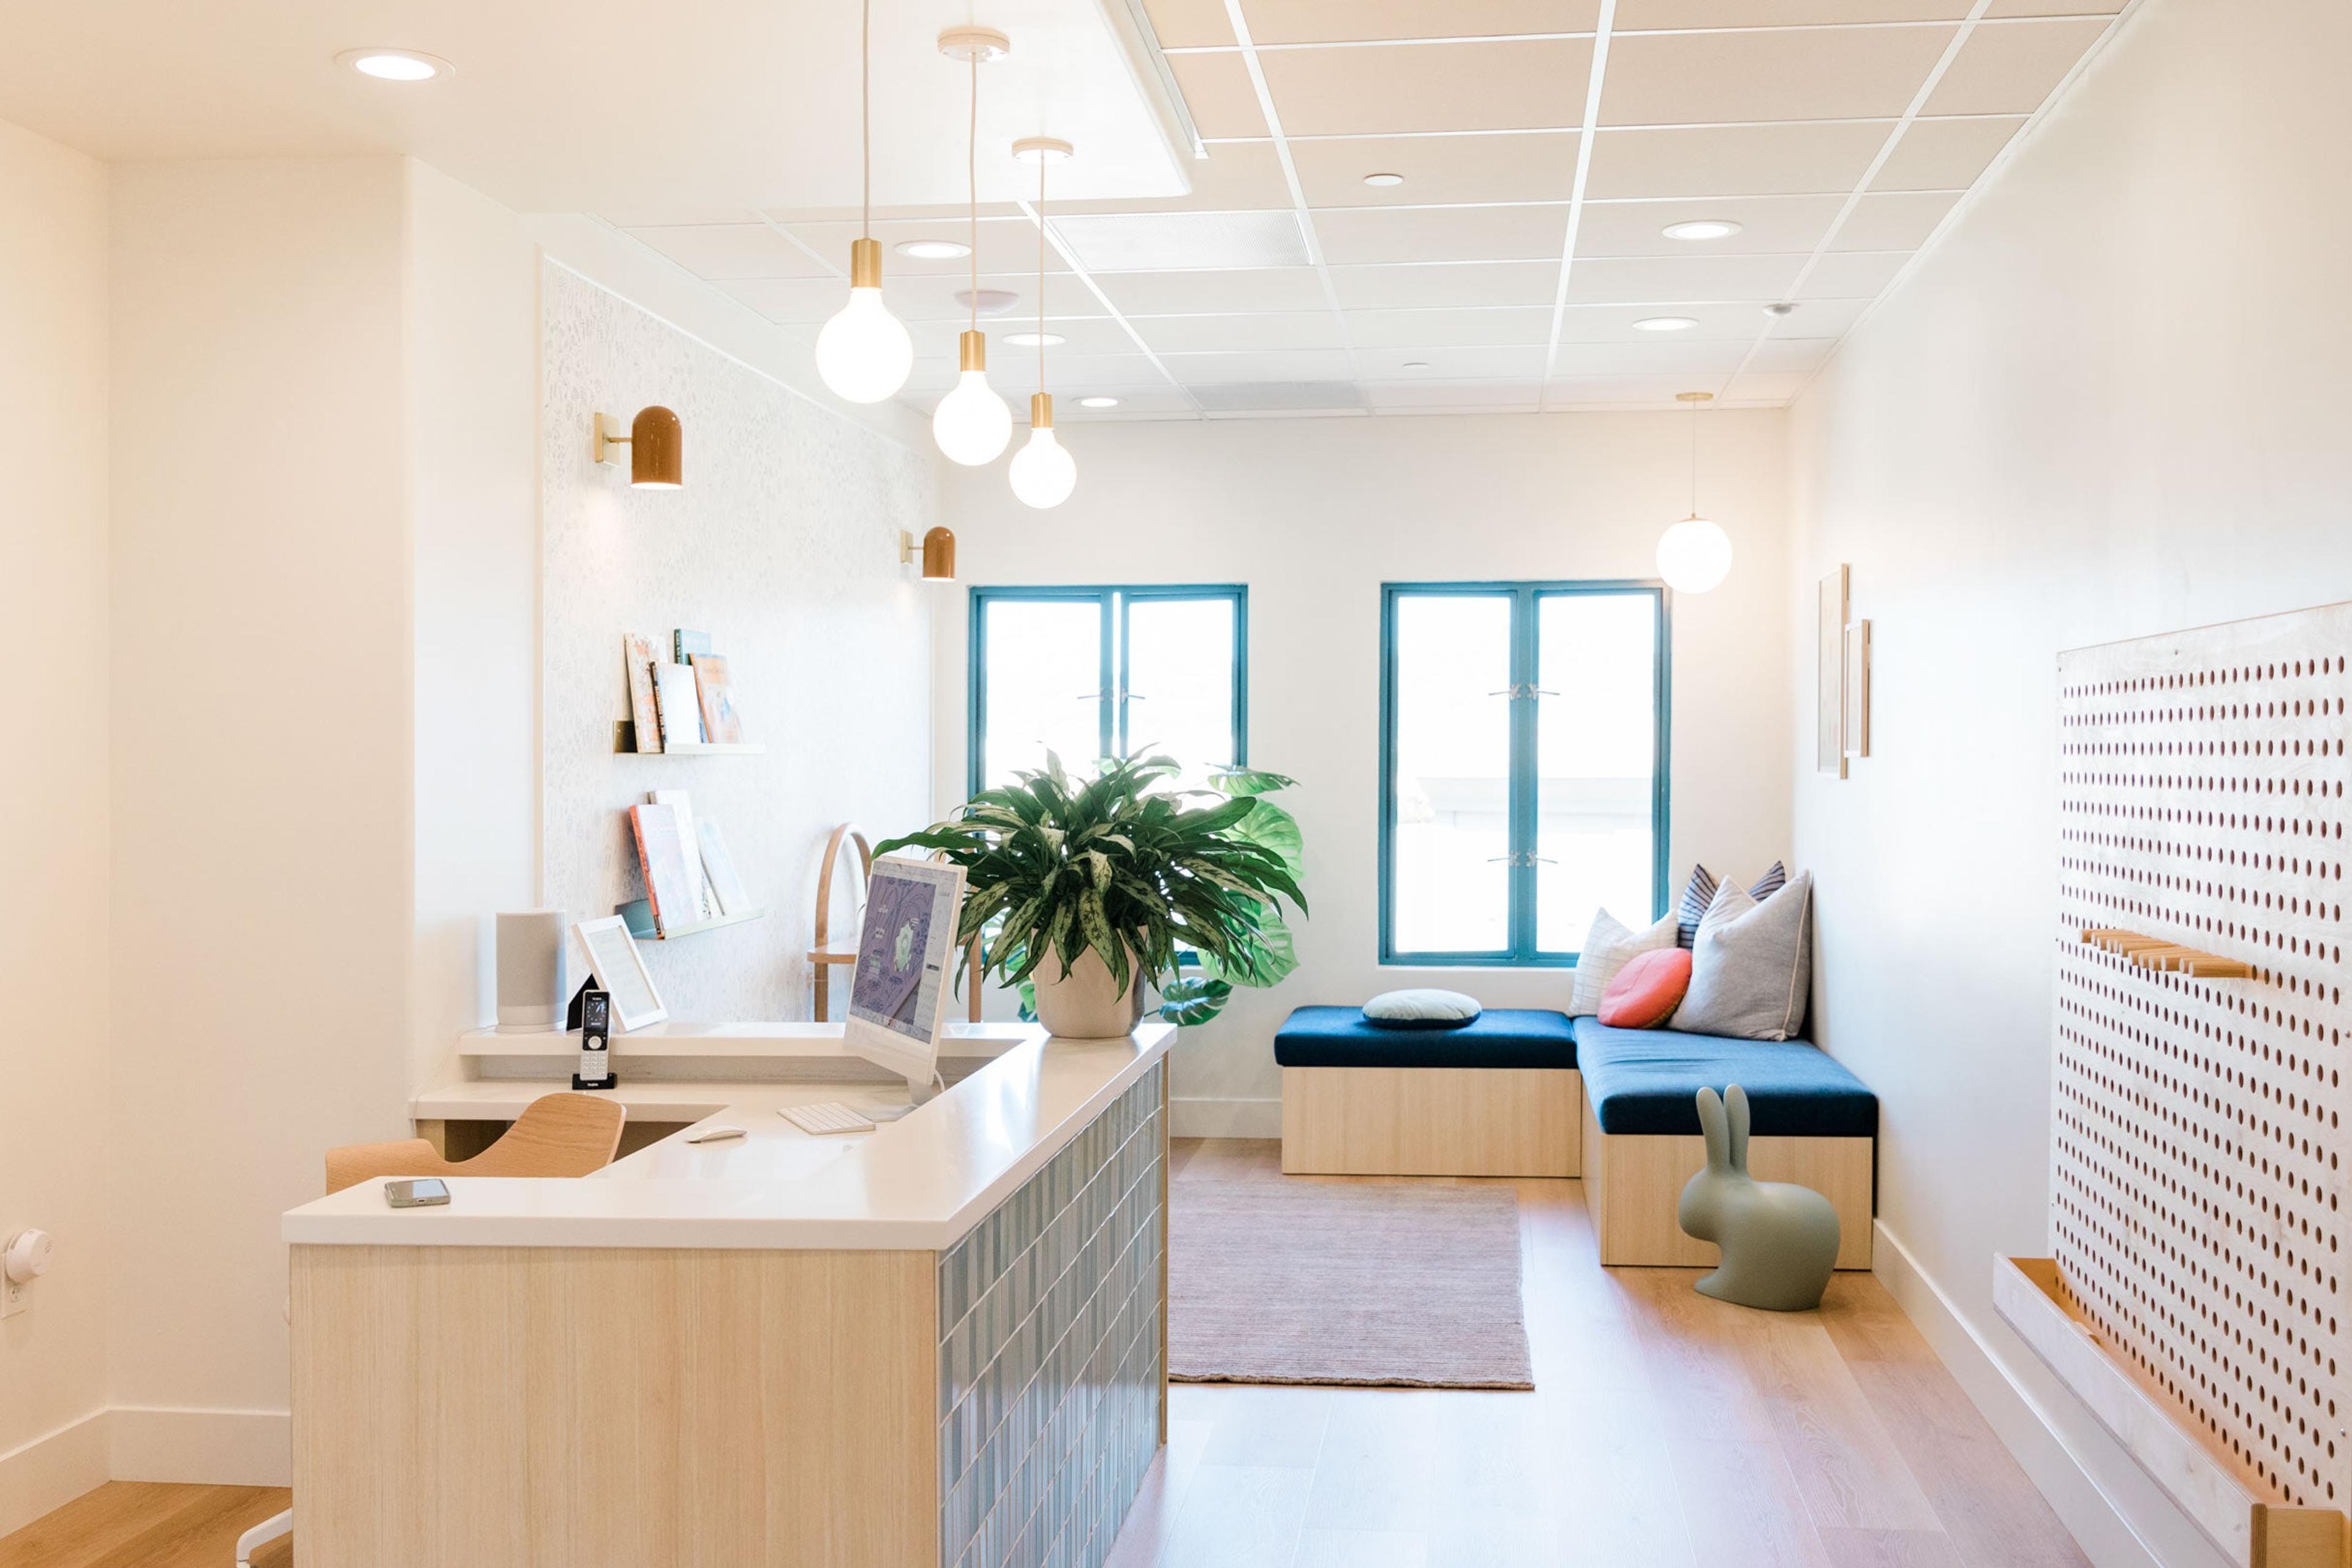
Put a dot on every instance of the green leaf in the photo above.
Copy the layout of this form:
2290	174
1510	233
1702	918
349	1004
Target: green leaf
1100	937
1194	999
1270	958
1249	781
1276	831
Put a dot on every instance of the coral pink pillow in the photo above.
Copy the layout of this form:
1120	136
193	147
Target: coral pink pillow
1647	990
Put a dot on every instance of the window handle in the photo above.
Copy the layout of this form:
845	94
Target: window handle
1541	691
1516	691
1517	858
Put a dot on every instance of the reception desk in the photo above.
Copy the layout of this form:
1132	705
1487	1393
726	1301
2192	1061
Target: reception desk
941	1345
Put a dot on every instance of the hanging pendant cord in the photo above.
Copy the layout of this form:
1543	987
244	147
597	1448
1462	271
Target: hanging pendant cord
1694	408
971	186
1041	271
865	119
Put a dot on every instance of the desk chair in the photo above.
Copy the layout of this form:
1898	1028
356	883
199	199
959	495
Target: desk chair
556	1135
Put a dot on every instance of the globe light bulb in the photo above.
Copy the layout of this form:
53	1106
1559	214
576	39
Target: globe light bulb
972	423
1042	472
1693	555
864	353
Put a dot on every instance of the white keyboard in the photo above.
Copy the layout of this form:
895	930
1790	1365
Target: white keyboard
830	1117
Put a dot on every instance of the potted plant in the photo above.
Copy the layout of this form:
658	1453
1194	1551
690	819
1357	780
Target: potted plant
1093	889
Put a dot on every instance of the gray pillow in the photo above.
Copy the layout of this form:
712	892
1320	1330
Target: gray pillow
1751	965
1420	1010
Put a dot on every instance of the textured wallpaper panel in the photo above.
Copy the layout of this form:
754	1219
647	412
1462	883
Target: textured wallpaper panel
782	546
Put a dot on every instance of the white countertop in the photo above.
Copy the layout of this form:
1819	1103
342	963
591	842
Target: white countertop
688	1038
917	1184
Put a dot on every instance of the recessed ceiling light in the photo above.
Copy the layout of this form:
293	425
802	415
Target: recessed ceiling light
933	250
396	65
1384	179
988	301
1781	308
1664	324
1703	229
1035	339
1097	401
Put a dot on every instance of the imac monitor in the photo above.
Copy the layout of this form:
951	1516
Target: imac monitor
898	992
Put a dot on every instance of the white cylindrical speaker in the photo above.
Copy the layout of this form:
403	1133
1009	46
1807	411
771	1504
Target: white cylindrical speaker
530	972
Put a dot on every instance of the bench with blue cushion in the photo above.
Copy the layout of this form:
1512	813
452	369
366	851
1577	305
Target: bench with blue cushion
1495	1097
1647	1081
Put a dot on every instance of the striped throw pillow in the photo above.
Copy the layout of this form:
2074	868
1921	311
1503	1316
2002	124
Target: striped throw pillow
1700	892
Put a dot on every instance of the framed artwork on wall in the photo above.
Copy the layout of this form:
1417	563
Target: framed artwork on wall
1857	689
1829	748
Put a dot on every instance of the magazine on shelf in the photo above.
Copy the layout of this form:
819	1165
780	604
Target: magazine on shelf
670	879
638	656
680	705
721	719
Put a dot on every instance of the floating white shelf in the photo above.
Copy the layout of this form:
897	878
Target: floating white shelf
691	1038
696	928
707	749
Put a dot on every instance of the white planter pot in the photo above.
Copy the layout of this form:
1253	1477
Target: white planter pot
1086	1004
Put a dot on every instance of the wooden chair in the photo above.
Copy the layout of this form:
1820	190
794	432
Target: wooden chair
556	1135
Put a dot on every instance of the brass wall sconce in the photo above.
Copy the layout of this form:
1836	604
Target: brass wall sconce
656	447
938	554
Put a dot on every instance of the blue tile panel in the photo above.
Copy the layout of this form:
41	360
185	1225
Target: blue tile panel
1049	1353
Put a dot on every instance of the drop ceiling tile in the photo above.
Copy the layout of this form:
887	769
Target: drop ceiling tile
1894	220
1853	275
720	250
1217	90
1182	241
1521	326
1619	391
1944	154
1429	397
1603	280
2009	68
2054	7
1236	176
1442	234
1188	23
933	298
1006	245
1699	358
1739	322
955	211
1791	355
1214	293
1516	86
1341	21
806	300
1775	388
1732	161
1767	225
1495	363
1288	365
1632	16
1079	335
1260	330
1138	401
1440	286
1507	167
680	218
1800	73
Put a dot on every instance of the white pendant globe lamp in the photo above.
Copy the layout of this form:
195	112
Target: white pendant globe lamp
972	423
1042	472
1695	554
864	353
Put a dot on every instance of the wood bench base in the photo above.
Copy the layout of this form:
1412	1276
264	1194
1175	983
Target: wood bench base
1632	1183
1431	1122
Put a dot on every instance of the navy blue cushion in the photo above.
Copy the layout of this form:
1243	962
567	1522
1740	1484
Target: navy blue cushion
1647	1081
1497	1037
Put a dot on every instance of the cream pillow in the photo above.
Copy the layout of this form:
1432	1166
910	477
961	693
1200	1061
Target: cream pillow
1751	965
1607	947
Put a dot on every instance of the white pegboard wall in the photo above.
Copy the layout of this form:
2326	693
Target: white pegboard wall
2197	1177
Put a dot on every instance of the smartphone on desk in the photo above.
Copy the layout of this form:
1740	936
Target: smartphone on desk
416	1193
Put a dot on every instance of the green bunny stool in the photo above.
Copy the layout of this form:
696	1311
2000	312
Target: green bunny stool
1780	1240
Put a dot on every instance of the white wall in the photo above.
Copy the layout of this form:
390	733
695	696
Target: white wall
2104	407
783	546
56	1138
263	776
1314	515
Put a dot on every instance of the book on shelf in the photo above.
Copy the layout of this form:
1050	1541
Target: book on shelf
718	865
683	645
670	879
637	654
678	704
682	802
721	720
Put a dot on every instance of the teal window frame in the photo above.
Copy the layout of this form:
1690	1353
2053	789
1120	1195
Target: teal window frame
1116	600
1521	951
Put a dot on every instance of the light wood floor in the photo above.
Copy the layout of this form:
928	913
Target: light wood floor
1665	1430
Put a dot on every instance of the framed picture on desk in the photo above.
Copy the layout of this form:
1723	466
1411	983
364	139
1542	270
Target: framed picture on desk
613	957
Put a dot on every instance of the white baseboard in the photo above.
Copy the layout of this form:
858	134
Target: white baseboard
217	1447
52	1470
1224	1118
2115	1511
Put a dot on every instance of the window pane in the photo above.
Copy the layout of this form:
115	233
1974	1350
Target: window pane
1452	889
1041	659
1180	682
1596	754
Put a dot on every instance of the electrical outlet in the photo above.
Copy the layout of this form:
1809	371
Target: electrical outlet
15	1298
